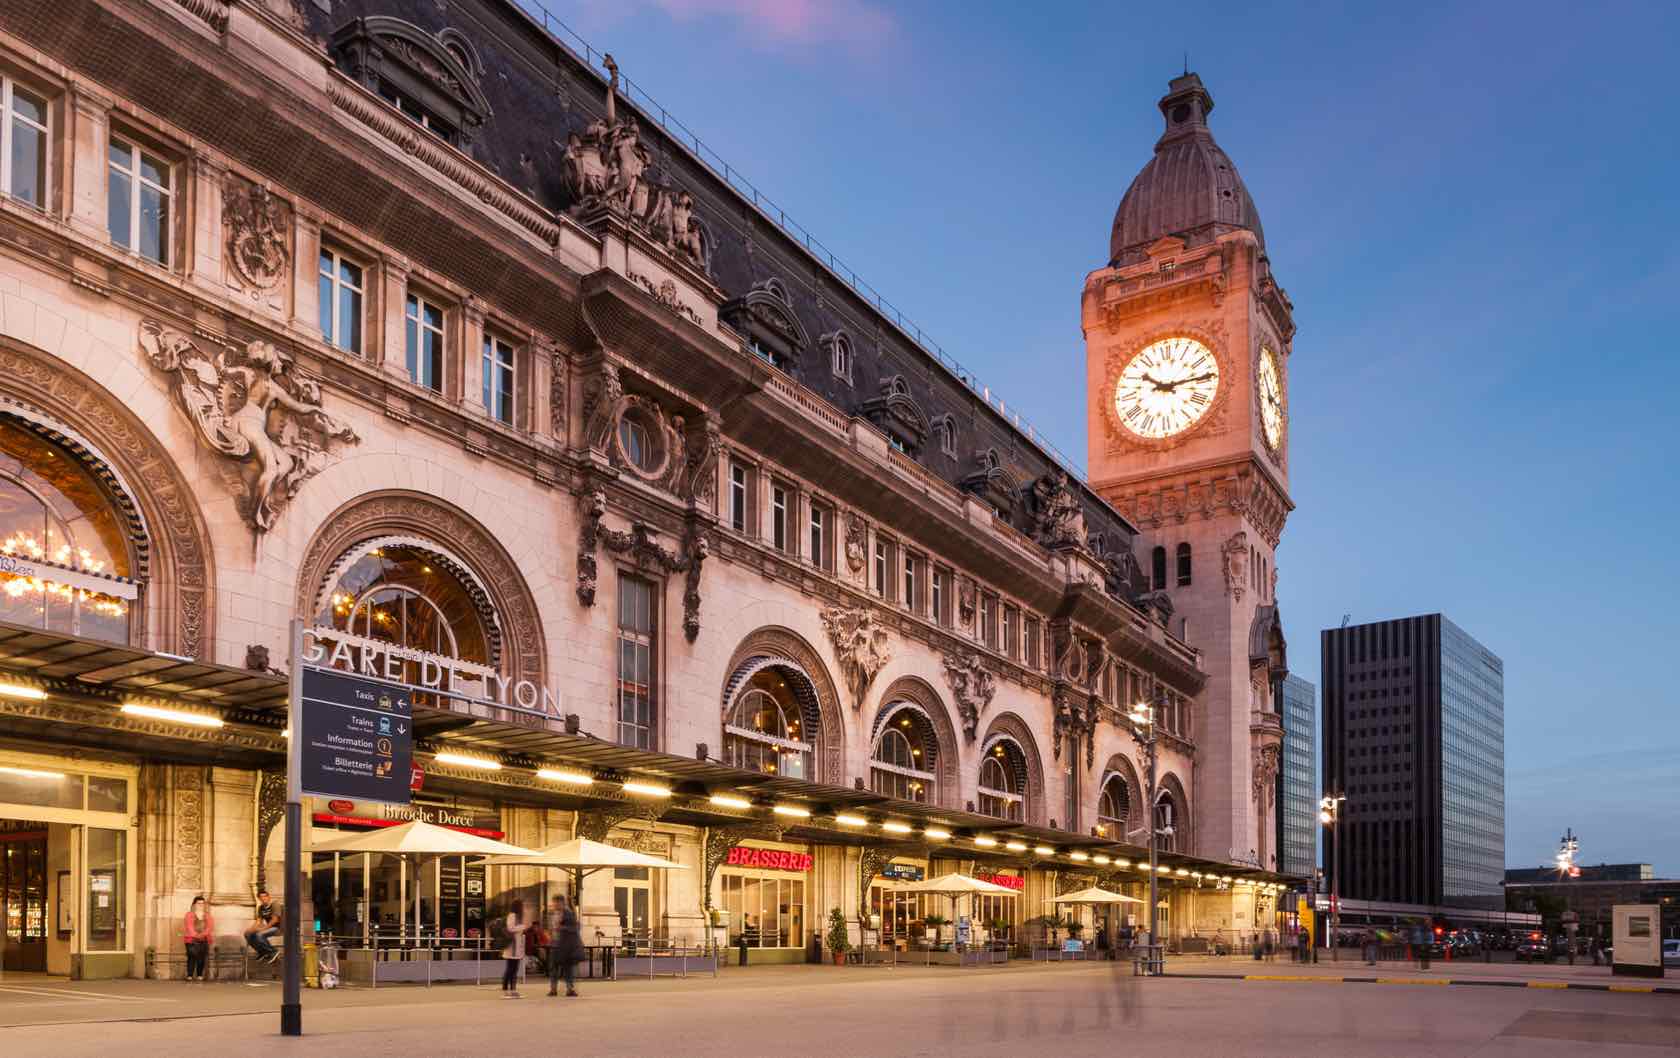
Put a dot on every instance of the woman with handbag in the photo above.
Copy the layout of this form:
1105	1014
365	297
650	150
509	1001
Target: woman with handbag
198	929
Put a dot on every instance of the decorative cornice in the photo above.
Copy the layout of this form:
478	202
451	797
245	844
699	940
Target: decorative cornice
358	103
213	13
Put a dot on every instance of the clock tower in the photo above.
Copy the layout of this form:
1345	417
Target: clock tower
1187	338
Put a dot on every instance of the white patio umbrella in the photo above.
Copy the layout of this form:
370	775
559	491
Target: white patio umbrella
581	857
414	839
954	886
1096	896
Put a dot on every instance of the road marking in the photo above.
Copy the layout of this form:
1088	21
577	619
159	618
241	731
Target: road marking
1631	988
70	993
1292	977
1413	981
1548	984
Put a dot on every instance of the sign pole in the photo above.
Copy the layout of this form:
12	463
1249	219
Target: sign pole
291	1001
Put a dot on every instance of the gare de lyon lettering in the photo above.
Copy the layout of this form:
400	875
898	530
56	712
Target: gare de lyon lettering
465	681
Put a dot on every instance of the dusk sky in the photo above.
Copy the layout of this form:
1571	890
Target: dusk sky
1475	208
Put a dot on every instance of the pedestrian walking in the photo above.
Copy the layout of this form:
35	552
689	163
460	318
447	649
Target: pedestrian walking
567	951
513	955
270	918
198	929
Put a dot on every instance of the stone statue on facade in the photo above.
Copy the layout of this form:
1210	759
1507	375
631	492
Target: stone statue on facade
972	687
607	166
861	643
252	408
1235	555
1060	520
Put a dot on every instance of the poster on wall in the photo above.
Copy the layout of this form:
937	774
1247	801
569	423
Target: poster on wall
66	904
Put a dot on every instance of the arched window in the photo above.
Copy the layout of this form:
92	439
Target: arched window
902	761
70	542
1002	787
1158	568
403	594
1183	565
1114	808
1166	821
766	730
840	356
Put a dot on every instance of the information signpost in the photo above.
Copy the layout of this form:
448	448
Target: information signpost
351	737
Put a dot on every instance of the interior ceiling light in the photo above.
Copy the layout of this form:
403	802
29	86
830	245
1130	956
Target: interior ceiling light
30	773
1100	858
851	821
179	716
22	690
1044	850
792	810
1080	856
1122	862
466	761
730	801
570	778
893	826
985	842
938	833
646	789
1016	846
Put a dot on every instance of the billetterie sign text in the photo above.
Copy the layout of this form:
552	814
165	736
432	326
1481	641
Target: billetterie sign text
422	671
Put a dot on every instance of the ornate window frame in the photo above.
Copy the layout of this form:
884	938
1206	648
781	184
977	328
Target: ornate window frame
381	51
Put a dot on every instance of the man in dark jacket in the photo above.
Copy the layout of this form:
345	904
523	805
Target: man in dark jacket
566	950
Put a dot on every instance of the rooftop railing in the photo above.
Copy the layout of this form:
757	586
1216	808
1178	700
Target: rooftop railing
569	39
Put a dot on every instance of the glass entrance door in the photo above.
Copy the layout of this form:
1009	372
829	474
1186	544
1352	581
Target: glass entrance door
23	900
633	900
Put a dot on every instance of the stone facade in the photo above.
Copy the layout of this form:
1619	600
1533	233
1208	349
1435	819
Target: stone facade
696	404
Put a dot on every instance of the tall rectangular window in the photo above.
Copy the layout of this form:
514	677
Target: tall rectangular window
23	155
341	287
883	572
137	200
424	333
779	516
821	519
1011	625
1035	640
938	592
911	581
989	621
738	497
635	662
498	379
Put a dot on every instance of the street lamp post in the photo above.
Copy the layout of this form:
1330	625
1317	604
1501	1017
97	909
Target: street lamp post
1330	814
1143	732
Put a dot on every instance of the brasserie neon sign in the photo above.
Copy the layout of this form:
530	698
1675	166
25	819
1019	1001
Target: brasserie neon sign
425	672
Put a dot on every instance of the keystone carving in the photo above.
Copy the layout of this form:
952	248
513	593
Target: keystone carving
862	645
249	406
257	233
972	686
606	166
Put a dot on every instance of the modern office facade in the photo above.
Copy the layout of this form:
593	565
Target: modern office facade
409	321
1414	740
1298	791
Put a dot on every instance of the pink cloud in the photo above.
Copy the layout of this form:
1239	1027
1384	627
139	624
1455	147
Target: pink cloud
779	23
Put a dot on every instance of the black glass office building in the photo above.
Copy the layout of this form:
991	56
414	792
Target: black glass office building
1298	794
1414	738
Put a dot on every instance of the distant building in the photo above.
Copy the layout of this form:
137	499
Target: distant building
1298	780
1414	737
1604	872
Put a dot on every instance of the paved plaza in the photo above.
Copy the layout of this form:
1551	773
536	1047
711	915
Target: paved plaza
1023	1010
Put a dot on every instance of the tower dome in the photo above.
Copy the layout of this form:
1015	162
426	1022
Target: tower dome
1189	189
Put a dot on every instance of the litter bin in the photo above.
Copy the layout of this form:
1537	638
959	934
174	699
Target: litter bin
741	946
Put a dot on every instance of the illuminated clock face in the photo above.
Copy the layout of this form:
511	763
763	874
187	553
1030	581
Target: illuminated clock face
1271	399
1167	388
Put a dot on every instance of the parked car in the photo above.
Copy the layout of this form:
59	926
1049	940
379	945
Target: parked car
1531	951
1671	952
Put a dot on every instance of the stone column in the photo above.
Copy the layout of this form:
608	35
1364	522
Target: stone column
306	288
201	224
388	336
469	334
89	134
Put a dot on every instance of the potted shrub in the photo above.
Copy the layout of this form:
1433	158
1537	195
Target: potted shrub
934	922
999	928
837	940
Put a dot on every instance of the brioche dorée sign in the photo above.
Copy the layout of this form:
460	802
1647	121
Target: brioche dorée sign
768	859
1008	881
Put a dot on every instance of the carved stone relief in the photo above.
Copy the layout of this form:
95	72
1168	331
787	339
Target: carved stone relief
640	543
972	687
258	235
253	409
862	645
855	543
607	167
1058	517
189	827
1265	774
601	399
965	602
1235	555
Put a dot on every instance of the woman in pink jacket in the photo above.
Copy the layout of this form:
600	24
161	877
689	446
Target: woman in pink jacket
198	929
